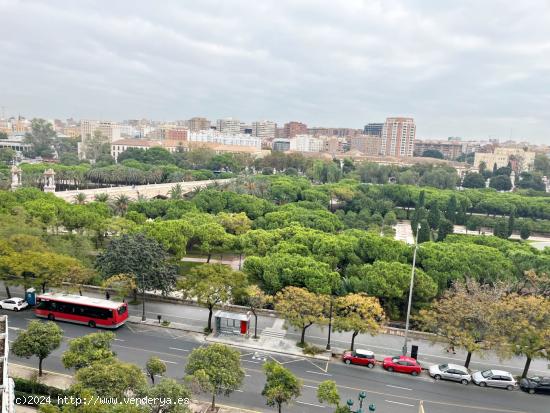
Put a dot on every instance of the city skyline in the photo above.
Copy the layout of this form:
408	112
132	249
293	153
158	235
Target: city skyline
472	70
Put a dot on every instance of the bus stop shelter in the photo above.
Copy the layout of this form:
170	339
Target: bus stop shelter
226	322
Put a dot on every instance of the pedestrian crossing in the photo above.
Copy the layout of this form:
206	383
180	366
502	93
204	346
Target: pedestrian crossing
273	333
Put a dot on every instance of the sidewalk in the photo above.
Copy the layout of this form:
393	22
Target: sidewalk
64	381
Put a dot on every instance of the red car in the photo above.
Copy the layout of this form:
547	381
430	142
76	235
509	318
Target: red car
362	357
402	364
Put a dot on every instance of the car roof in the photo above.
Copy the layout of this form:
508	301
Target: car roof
365	352
456	367
406	358
501	373
13	299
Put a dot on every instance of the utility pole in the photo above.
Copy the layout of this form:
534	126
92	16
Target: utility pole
405	344
143	297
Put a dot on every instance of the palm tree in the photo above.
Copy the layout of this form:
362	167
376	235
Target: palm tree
103	197
80	198
176	192
121	204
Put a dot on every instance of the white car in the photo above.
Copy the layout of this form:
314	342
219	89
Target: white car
450	372
13	303
495	378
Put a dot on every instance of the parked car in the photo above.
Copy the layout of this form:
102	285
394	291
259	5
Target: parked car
495	378
13	303
452	372
402	364
362	357
535	385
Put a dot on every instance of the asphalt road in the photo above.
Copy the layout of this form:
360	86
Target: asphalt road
391	392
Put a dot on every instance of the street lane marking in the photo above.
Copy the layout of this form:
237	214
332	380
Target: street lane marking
169	362
311	387
310	404
402	404
398	387
178	349
317	372
252	361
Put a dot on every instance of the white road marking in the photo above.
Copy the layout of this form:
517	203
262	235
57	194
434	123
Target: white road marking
402	404
398	387
169	362
178	349
119	339
310	404
307	385
252	361
317	372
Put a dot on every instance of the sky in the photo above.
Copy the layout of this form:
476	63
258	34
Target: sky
469	68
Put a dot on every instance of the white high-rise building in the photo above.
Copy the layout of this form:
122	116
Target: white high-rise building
306	143
398	137
265	129
228	125
236	139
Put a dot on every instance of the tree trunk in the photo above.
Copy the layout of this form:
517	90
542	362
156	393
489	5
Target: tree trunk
135	295
210	319
152	378
468	358
8	292
255	324
526	368
43	288
279	405
303	338
240	260
208	258
40	367
213	401
353	338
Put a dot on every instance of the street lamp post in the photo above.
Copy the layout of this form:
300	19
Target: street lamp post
361	396
329	324
143	297
405	344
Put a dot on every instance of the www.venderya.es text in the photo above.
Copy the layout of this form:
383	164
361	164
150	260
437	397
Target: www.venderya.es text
137	401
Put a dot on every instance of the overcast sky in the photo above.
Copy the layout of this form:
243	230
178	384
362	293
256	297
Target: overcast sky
471	68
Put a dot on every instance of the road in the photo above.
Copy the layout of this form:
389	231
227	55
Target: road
391	392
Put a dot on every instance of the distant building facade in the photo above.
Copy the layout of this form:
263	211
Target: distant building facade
265	129
373	129
291	129
234	139
228	125
451	149
306	143
398	135
367	144
110	130
521	159
281	144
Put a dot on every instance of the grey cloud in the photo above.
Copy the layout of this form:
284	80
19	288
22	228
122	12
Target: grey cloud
461	67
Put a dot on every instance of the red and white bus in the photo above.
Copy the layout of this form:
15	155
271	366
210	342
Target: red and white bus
94	312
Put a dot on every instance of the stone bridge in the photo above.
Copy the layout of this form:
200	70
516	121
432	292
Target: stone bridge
134	192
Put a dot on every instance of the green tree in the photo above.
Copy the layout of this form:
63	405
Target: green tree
7	155
501	229
473	180
465	316
41	137
434	215
140	256
256	299
112	379
432	153
424	233
327	392
39	339
84	351
215	369
155	366
96	145
445	228
523	328
169	389
212	285
281	385
357	313
501	183
450	212
525	231
300	308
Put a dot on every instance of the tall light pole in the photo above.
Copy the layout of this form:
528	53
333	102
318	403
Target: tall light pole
143	297
329	323
405	344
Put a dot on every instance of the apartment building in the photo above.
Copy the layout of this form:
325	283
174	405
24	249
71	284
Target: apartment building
398	135
291	129
110	130
228	125
520	158
366	144
373	129
451	149
234	139
264	130
119	146
197	124
306	143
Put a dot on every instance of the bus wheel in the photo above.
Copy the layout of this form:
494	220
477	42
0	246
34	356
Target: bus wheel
91	324
51	317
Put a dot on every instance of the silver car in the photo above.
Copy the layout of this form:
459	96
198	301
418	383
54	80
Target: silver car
452	372
495	378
